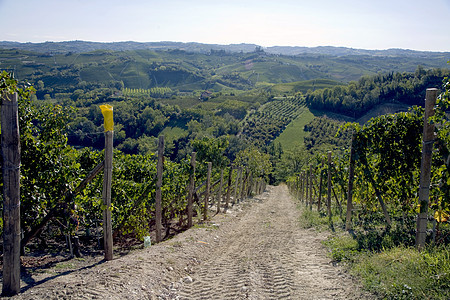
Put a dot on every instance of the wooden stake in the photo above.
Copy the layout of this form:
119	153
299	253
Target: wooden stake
227	201
107	181
425	169
329	187
243	183
310	187
191	190
305	179
208	188
351	172
301	187
236	186
158	198
219	193
10	140
319	201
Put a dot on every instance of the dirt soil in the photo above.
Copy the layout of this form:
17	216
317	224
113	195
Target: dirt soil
256	250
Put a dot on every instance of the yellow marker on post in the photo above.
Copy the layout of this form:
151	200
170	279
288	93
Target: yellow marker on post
107	111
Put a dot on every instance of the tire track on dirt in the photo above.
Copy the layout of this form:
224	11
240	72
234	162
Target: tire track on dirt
256	250
266	255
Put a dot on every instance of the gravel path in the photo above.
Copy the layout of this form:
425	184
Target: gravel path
255	251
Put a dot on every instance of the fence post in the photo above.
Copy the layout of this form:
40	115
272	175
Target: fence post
227	201
305	179
190	211
351	171
302	187
310	187
329	186
319	201
208	187
219	192
158	199
243	182
236	186
107	111
10	139
425	169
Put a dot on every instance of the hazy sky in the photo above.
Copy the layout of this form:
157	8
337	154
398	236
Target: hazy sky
375	24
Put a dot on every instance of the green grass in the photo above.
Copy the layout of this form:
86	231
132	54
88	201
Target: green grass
294	134
394	272
304	86
405	273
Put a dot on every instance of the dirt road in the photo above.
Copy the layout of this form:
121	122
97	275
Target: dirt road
255	251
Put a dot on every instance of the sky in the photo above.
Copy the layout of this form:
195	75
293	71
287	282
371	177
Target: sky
377	24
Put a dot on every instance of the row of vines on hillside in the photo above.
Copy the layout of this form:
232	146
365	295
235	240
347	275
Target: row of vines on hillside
386	171
265	124
55	201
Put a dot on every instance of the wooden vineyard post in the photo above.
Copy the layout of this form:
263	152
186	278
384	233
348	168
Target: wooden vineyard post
227	200
302	186
305	179
425	169
351	172
158	198
319	200
208	188
243	183
219	193
329	187
236	186
10	140
248	191
190	211
310	187
107	111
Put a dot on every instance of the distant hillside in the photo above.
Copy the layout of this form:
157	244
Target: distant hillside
62	69
85	46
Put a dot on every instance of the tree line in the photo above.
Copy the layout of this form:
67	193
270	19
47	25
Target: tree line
358	97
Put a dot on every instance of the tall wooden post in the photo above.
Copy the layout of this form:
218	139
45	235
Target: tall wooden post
158	198
306	187
208	188
302	186
310	187
190	211
329	187
219	193
227	201
107	111
236	186
243	184
351	172
425	169
10	140
319	200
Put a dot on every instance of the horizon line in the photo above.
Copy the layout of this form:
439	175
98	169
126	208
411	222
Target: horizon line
231	44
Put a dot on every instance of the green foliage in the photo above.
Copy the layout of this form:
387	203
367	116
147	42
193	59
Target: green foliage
359	97
342	248
303	86
405	273
381	148
441	176
293	135
255	161
324	135
211	150
265	124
